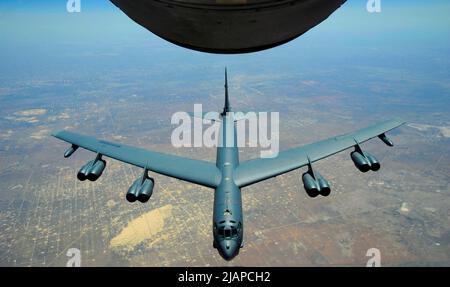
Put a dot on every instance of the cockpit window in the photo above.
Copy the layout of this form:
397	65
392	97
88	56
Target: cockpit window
229	232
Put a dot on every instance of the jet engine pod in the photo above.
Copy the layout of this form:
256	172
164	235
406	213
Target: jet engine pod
228	26
133	191
310	185
146	190
315	184
360	161
141	189
374	163
365	161
92	170
84	171
96	170
324	186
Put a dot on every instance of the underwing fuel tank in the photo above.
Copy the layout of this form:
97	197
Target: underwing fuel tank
70	151
228	26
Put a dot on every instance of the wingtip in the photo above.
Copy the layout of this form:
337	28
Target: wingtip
398	121
401	121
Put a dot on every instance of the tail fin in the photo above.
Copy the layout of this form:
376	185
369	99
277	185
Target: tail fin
227	107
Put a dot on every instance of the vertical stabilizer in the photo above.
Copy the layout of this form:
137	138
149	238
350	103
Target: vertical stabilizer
226	108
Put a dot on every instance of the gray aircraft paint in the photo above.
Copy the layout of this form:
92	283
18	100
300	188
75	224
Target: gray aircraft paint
227	216
228	176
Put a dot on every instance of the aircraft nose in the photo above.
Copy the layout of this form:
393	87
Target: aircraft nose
228	249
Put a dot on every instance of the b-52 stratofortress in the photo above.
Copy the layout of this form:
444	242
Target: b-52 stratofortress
227	176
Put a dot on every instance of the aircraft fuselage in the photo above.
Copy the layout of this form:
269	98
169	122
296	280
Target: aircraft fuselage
228	226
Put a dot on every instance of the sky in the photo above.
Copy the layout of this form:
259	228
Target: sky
40	36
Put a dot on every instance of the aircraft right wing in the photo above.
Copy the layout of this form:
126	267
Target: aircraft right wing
256	170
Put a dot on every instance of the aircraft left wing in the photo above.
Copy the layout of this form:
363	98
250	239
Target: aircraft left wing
257	170
196	171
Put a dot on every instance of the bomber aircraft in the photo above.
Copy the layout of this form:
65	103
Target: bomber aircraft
227	176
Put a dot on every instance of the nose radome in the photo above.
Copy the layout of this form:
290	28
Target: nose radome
228	249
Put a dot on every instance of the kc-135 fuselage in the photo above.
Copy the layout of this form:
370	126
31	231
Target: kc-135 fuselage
228	26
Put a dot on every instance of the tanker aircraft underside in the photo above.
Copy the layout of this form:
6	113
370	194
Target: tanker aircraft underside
228	26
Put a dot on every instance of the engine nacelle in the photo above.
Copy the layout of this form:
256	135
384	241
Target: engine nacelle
374	163
324	186
141	189
365	161
315	186
84	171
133	191
96	170
146	190
91	170
360	161
310	185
